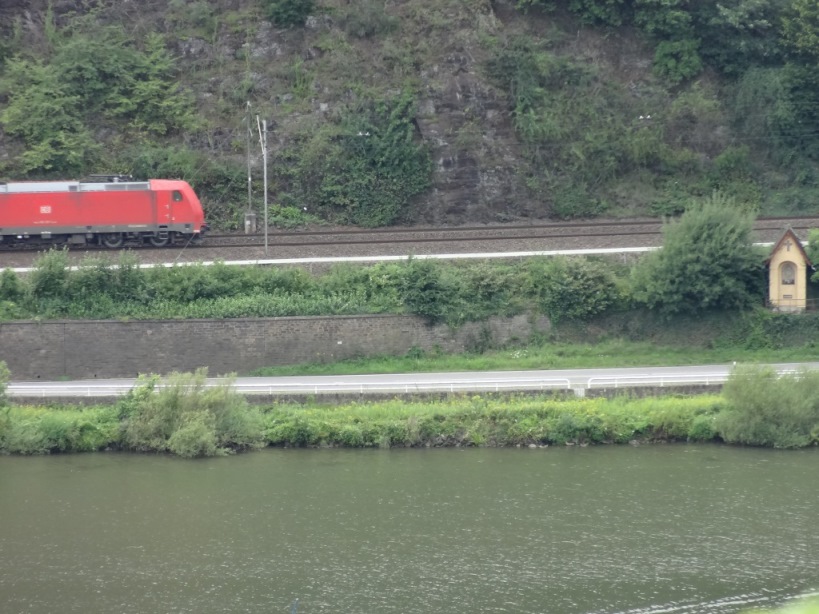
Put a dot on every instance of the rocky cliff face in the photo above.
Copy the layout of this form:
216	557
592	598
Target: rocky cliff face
228	53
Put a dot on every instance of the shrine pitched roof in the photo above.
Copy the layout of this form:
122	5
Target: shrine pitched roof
789	235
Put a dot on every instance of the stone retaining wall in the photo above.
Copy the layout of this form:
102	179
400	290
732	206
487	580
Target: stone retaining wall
77	349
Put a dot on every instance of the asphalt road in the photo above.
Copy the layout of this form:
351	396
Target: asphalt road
578	380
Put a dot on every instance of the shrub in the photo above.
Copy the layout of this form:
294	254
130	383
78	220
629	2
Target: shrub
182	415
195	436
766	409
288	13
366	169
707	262
609	12
427	292
572	288
95	73
49	279
676	61
11	288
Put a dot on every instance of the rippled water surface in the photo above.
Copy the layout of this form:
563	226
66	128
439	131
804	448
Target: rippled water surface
606	530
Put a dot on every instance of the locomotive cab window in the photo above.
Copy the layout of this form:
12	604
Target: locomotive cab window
177	196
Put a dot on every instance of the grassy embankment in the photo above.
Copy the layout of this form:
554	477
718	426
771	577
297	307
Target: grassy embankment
549	355
187	419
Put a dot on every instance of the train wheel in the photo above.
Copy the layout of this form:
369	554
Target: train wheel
112	240
160	240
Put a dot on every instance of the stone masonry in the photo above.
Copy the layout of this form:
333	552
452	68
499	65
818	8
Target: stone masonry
78	349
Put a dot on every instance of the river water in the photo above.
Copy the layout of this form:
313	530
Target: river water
646	530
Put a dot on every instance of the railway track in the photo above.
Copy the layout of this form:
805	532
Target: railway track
570	230
392	241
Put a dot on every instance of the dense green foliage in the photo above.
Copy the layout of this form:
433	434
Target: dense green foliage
288	13
185	417
440	292
93	73
707	262
765	409
363	170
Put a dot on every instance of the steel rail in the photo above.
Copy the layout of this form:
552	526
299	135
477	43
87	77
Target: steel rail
454	239
245	241
553	225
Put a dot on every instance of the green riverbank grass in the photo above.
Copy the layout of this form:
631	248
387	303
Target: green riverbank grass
495	421
756	407
41	430
548	356
188	430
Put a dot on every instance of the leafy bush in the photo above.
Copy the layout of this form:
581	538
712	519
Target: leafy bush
766	409
572	288
47	117
366	169
290	217
490	421
11	288
95	74
676	61
183	416
426	291
288	13
440	292
707	262
610	12
49	279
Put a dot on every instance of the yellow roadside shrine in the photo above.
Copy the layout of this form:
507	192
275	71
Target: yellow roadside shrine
787	274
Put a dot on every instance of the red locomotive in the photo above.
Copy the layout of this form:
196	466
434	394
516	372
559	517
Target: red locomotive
106	210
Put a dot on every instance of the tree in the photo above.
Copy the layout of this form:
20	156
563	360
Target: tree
800	33
707	262
738	34
43	112
800	29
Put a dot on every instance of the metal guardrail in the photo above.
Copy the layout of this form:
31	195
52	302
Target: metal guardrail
661	381
61	390
111	390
